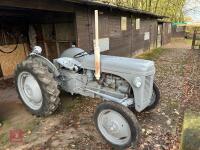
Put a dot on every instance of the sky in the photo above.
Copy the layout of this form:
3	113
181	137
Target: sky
192	9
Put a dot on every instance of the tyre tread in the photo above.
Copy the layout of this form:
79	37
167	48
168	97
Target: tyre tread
47	83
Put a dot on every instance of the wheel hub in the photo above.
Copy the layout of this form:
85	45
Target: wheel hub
114	127
111	127
30	90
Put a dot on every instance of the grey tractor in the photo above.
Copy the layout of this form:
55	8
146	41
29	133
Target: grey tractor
125	85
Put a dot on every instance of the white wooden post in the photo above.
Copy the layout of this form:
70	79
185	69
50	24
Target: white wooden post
96	46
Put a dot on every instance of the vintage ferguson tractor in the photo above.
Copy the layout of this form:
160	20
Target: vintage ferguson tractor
122	83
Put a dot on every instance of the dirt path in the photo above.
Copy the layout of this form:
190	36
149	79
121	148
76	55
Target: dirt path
72	126
161	126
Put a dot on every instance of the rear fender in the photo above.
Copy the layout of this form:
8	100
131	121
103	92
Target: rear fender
46	62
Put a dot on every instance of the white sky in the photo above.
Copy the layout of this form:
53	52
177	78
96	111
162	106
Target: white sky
192	8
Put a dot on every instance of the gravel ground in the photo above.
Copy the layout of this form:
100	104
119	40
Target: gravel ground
177	76
72	126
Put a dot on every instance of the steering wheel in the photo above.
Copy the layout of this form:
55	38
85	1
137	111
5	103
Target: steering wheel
81	54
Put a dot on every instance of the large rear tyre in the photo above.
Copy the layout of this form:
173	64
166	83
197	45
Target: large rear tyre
117	125
37	88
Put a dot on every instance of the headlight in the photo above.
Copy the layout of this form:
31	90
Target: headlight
137	82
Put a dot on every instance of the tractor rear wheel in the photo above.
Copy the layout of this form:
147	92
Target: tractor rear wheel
37	88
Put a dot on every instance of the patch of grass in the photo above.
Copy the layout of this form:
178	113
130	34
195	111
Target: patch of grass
151	55
4	139
4	134
32	125
8	126
191	131
188	41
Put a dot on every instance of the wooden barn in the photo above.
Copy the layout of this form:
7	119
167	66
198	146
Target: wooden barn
56	25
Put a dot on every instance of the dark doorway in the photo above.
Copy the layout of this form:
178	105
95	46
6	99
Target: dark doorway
21	29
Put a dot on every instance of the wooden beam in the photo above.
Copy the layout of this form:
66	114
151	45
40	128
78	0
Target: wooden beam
194	38
11	13
49	5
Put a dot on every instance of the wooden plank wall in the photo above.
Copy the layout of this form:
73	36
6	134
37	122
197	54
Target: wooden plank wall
141	45
8	62
13	45
166	36
83	28
122	43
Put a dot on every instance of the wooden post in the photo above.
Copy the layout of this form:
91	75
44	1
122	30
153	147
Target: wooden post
194	38
96	47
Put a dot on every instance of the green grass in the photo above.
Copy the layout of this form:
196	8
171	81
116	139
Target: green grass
188	41
8	126
151	55
191	131
4	135
32	125
4	139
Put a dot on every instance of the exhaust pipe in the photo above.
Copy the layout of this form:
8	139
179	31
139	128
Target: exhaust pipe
96	46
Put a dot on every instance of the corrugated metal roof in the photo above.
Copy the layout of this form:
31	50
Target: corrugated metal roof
108	5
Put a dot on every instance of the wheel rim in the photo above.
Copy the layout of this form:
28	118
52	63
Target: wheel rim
114	127
29	90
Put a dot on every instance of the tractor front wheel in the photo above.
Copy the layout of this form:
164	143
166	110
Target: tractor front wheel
154	99
117	125
37	88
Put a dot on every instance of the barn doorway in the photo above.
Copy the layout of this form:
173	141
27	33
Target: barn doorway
21	29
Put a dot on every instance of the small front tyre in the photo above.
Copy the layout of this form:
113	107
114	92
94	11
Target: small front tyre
154	99
117	125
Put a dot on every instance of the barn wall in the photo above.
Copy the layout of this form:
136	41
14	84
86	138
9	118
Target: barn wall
141	45
167	33
122	43
8	62
65	24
